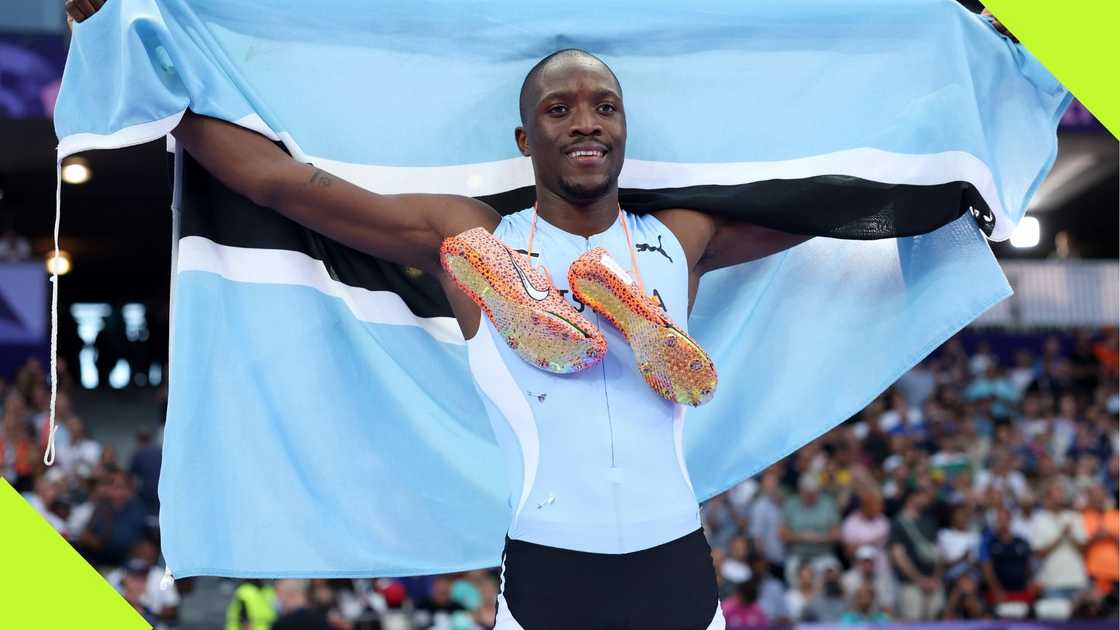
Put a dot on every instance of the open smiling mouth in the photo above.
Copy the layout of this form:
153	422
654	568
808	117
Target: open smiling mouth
587	155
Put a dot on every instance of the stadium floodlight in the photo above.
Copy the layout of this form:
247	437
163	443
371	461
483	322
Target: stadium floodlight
59	264
1026	234
75	170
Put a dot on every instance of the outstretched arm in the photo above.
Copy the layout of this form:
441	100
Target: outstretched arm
405	229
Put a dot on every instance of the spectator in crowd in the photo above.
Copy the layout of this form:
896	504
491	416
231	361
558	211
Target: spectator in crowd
253	606
1107	352
913	551
742	609
766	522
1057	538
162	601
1005	560
735	565
437	608
721	522
18	457
771	591
296	611
863	608
829	603
1002	475
865	571
1055	438
80	455
486	613
133	583
47	498
959	543
867	527
802	592
1022	521
1101	521
869	429
144	467
902	418
1024	371
811	525
118	521
964	601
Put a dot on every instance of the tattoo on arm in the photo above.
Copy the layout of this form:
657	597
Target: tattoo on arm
321	178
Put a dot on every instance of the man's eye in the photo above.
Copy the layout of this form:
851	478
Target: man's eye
557	109
607	108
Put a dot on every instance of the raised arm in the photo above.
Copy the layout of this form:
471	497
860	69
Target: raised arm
405	229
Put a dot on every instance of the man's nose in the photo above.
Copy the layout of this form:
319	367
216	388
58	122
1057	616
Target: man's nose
585	123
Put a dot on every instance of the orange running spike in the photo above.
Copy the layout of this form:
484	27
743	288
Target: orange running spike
534	319
674	365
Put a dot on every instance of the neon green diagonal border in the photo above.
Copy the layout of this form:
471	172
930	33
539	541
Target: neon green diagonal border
45	584
1078	43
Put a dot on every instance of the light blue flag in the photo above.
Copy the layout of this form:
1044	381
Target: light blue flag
322	420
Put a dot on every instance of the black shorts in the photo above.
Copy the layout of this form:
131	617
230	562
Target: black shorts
668	587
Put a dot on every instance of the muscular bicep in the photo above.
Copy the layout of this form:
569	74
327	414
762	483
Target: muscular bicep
405	229
733	243
712	242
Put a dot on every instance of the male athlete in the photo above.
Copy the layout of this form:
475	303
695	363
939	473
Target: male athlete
606	531
602	498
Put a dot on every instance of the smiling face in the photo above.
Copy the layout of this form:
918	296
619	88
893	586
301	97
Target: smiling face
574	127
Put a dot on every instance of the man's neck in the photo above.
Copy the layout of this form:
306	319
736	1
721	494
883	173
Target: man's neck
584	220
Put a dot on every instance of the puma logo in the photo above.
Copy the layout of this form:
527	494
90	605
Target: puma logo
646	247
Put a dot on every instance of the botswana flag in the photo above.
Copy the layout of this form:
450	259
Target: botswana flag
322	419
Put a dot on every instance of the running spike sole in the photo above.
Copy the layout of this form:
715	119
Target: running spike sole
673	365
535	321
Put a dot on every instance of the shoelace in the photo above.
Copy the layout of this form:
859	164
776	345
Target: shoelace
629	245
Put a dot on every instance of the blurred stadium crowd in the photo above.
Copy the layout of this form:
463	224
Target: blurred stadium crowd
982	484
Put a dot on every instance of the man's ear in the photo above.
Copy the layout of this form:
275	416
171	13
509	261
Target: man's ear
522	140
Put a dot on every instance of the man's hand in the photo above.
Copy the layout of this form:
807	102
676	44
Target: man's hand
999	25
79	10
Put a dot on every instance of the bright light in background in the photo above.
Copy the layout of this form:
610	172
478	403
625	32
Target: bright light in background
75	170
135	324
1026	234
155	373
119	375
58	264
91	321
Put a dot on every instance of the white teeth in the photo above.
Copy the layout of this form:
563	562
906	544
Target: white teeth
582	153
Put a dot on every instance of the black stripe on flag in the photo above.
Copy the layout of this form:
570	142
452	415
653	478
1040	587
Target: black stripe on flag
825	205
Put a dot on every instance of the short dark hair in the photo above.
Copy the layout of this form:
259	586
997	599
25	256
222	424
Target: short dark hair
531	77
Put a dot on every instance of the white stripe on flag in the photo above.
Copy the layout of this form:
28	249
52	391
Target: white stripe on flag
278	266
488	178
491	178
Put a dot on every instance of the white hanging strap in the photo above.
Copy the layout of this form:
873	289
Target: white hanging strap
167	580
48	456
